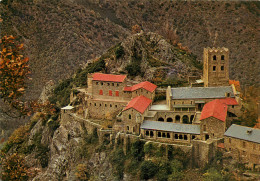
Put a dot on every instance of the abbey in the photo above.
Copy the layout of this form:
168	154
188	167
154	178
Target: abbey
199	116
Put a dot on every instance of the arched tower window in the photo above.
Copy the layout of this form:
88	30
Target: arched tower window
129	116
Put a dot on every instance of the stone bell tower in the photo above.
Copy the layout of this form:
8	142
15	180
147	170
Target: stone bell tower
216	67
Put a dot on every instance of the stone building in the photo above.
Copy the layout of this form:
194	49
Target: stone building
198	117
244	144
109	94
216	67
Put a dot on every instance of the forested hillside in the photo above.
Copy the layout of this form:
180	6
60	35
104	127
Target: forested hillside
61	35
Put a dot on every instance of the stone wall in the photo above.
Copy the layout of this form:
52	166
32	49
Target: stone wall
143	92
202	152
245	151
108	90
104	109
216	67
212	127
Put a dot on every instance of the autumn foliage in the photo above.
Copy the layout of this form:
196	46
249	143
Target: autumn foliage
14	71
14	168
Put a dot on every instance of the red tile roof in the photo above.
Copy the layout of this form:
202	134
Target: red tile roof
139	103
214	109
108	77
128	89
229	101
145	85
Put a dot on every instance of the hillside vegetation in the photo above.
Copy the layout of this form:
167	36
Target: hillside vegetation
61	35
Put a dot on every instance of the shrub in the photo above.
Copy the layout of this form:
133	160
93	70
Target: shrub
212	175
148	149
81	172
133	69
137	150
148	170
19	136
42	154
119	52
118	159
14	168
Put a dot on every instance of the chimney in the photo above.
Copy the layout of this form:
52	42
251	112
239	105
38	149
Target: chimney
249	131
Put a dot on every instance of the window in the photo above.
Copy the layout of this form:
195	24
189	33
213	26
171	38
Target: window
112	84
90	104
147	133
110	105
233	106
159	134
176	136
168	135
127	128
204	127
95	104
101	83
177	118
100	105
244	144
214	57
193	137
151	133
163	135
96	83
214	68
110	93
169	120
129	116
222	57
161	119
105	105
185	137
100	92
222	67
180	137
117	93
117	84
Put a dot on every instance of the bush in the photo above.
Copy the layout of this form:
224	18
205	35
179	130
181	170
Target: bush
81	172
133	69
18	137
212	175
14	168
119	52
148	170
137	150
118	159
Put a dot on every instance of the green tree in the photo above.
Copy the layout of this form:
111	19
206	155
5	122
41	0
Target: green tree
148	170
